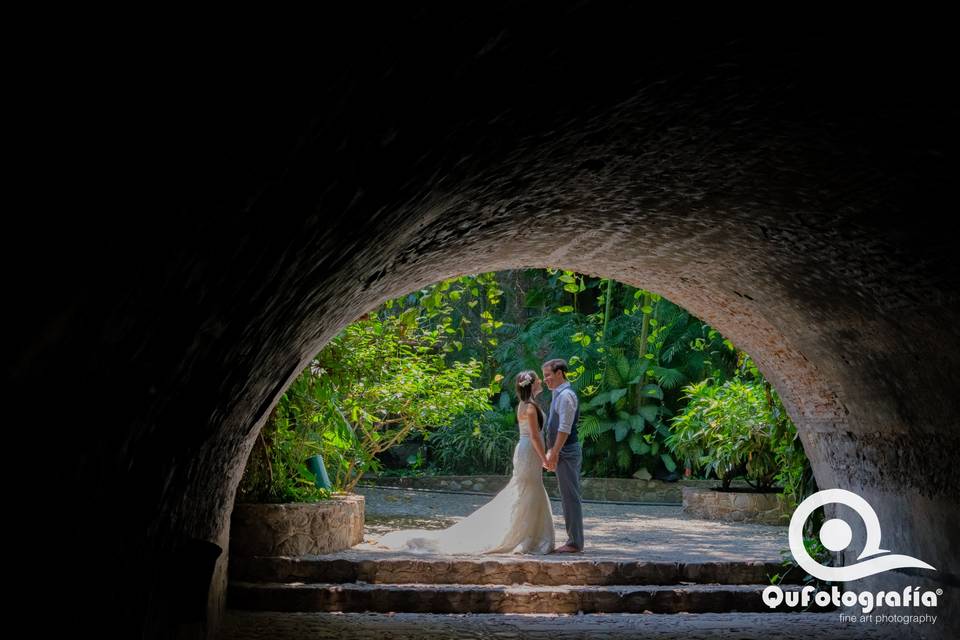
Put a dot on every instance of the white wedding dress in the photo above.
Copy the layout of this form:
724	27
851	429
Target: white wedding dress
516	520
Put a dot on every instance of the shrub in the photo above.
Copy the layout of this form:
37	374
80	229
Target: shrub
738	429
476	443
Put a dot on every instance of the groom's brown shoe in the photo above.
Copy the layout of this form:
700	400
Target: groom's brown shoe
567	548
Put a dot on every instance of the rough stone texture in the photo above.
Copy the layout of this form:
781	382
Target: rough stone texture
249	625
418	598
297	528
764	508
786	184
605	489
390	570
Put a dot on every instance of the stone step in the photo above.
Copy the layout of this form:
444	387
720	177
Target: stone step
258	625
500	571
433	598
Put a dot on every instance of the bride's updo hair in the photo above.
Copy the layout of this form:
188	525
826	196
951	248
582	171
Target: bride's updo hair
524	385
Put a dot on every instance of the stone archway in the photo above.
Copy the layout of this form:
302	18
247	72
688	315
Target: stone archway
766	184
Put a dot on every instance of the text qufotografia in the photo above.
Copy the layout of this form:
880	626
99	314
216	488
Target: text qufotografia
774	596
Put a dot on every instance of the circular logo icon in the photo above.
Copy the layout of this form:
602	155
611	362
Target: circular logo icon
836	535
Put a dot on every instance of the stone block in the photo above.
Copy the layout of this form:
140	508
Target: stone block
297	528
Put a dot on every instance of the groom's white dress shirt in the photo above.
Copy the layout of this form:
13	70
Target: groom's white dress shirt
565	405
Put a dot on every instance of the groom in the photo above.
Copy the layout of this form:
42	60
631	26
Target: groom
564	454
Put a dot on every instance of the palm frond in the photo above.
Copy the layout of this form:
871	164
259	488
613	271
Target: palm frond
669	378
589	427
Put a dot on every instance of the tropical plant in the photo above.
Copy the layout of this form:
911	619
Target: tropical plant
431	360
276	471
646	353
739	428
476	443
380	380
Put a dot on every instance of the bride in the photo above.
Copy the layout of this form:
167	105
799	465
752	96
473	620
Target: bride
518	519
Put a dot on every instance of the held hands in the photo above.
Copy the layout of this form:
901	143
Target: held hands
550	462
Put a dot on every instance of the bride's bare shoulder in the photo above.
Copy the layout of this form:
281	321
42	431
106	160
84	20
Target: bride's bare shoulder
528	410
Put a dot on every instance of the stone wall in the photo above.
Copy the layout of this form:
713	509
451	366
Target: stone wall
296	528
603	489
730	506
788	190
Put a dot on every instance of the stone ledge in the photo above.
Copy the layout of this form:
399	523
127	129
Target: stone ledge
502	571
601	489
259	625
298	528
432	598
759	508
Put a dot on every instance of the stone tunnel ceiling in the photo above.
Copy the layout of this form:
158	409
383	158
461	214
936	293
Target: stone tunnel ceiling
782	187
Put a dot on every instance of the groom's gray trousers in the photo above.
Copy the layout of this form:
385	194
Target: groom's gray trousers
568	481
568	465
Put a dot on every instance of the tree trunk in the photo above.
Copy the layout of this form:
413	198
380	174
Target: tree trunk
608	298
644	332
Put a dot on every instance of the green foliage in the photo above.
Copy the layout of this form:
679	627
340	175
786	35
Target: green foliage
476	443
382	379
723	429
790	568
739	428
630	351
795	474
428	364
276	471
539	340
388	379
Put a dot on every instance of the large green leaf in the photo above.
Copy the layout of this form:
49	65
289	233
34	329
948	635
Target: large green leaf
612	378
598	399
636	422
637	370
650	412
652	391
535	298
637	445
616	394
621	430
668	462
623	367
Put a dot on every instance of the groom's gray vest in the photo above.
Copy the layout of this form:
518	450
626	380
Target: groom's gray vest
553	421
